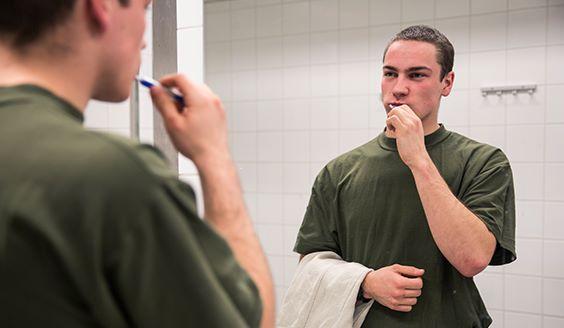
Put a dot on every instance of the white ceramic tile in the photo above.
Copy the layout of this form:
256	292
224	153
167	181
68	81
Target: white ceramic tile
454	109
119	115
528	181
270	53
555	2
554	180
525	143
491	289
269	84
295	207
523	293
529	252
269	21
296	50
296	146
217	26
244	54
461	72
414	10
220	83
295	18
428	22
555	104
96	115
524	108
450	8
552	297
324	48
457	30
555	25
196	184
487	69
324	145
385	12
217	57
269	207
353	112
487	6
248	175
520	4
353	13
351	139
276	264
555	65
269	146
244	116
290	233
296	177
354	44
245	146
243	24
242	4
486	110
146	136
189	13
244	85
186	166
324	15
380	36
376	115
269	115
251	204
190	51
296	82
296	114
497	318
491	135
527	28
554	220
555	143
354	78
271	238
529	219
269	177
553	322
215	7
553	266
324	113
324	80
522	320
488	32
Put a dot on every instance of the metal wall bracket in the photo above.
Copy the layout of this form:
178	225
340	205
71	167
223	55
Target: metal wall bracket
513	89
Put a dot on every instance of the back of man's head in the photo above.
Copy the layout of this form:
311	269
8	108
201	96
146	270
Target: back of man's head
23	22
423	33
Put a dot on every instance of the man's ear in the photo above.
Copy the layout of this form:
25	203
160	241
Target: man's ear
98	13
448	82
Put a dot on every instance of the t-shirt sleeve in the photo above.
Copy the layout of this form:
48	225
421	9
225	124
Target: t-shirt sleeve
168	268
490	196
318	231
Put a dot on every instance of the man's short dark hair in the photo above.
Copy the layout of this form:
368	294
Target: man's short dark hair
424	33
23	22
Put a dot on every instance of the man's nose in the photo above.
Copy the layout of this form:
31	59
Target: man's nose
400	88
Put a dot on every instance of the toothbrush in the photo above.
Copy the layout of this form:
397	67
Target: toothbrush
149	83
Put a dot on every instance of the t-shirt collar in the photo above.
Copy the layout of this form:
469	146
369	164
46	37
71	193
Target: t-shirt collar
430	140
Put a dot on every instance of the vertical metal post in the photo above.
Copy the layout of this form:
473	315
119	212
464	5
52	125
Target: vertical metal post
164	62
134	111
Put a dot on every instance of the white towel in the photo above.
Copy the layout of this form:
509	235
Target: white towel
323	293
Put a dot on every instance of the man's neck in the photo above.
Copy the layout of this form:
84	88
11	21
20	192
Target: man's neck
64	76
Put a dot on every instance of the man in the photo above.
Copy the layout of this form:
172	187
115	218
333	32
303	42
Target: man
95	230
425	207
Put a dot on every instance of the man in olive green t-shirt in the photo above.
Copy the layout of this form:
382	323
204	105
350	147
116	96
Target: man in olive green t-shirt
95	230
425	207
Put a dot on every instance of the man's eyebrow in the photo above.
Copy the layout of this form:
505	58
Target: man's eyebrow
390	67
418	68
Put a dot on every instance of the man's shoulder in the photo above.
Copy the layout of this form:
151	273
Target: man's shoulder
474	151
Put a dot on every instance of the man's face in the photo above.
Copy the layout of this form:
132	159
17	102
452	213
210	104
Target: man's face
411	76
124	42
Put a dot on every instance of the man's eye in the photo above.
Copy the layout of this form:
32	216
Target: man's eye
389	74
417	75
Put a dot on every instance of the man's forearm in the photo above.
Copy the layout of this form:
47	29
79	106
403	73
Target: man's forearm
226	211
461	236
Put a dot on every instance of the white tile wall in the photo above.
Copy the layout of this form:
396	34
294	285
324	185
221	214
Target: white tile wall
308	90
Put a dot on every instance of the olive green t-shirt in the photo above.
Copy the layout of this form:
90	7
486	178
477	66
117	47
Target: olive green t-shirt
96	231
365	207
